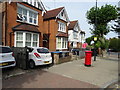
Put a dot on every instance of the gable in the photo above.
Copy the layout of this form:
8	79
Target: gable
52	13
63	15
77	27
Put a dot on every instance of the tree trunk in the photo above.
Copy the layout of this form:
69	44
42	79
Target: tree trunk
104	53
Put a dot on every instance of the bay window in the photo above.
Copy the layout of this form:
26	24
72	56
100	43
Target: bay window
23	39
28	39
19	39
61	43
35	40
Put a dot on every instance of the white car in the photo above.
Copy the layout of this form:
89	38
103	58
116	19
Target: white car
39	56
6	57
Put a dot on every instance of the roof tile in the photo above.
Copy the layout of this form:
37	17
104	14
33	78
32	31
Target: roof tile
72	25
52	13
26	27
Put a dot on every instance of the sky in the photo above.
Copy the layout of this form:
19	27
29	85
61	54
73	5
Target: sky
76	10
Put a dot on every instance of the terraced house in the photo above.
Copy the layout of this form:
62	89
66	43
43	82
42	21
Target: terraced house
22	23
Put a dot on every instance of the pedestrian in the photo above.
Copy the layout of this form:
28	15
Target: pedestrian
108	51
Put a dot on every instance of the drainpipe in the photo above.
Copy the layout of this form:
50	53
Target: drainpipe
11	39
5	24
48	32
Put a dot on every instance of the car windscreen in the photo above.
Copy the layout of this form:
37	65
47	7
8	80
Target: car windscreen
5	50
42	50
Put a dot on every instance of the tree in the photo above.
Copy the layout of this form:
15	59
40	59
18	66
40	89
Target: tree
103	15
116	26
115	44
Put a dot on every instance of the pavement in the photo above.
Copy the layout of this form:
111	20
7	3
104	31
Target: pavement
101	73
73	74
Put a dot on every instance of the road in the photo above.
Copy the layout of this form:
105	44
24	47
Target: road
43	79
67	75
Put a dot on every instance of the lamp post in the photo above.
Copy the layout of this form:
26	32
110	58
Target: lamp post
95	39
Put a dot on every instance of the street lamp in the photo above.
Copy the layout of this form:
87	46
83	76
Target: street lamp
95	39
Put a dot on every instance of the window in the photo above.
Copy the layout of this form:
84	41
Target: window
23	39
61	43
43	50
35	40
19	39
61	27
58	42
75	35
27	15
28	39
5	50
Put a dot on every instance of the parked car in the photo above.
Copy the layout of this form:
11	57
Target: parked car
6	57
39	56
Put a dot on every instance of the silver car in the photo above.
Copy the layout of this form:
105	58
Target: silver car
6	57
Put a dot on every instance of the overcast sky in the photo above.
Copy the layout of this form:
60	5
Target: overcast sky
76	10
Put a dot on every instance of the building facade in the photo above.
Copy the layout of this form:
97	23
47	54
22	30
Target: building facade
56	25
23	24
28	23
76	36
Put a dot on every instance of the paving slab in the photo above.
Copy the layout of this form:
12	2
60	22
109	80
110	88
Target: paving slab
101	73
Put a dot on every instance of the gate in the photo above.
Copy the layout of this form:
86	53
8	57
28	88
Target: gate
21	55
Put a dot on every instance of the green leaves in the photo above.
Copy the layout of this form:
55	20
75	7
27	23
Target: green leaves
115	44
101	42
102	15
116	27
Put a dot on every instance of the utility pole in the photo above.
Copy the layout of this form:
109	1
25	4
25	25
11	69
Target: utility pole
95	38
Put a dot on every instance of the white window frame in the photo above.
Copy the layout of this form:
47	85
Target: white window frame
61	26
17	40
65	43
28	10
24	38
75	35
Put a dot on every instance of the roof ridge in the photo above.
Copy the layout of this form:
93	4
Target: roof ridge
55	9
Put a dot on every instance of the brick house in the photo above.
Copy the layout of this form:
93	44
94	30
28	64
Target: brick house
22	23
76	35
56	26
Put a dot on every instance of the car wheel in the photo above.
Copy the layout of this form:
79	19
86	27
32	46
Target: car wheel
31	64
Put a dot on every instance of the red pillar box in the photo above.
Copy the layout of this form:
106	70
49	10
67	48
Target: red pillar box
88	55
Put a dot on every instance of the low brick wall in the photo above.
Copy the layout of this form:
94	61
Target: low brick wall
65	59
57	59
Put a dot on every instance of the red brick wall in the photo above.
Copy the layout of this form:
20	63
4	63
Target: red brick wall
51	26
11	22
